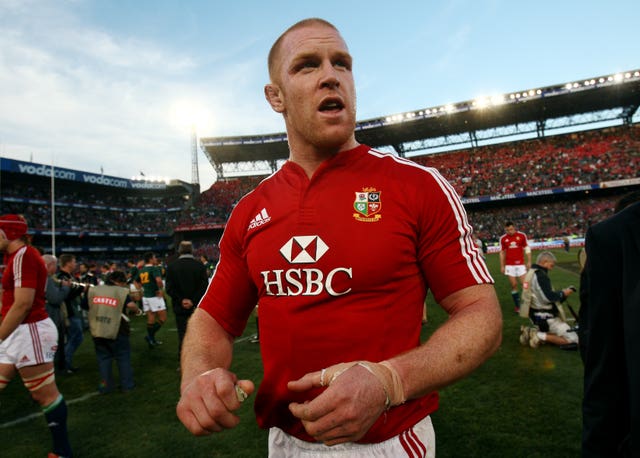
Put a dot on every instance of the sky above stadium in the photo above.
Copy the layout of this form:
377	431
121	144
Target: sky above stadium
115	85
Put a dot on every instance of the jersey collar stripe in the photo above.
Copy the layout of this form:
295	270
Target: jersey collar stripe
468	249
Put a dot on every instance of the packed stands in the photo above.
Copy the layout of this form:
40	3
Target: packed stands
530	165
100	221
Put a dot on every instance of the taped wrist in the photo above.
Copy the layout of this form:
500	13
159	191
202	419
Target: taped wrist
384	372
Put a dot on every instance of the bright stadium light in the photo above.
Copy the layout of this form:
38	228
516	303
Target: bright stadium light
189	114
497	100
481	102
618	77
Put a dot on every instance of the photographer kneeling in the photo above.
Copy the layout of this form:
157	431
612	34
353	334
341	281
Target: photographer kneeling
540	303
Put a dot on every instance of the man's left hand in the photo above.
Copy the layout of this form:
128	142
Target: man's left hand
187	304
345	411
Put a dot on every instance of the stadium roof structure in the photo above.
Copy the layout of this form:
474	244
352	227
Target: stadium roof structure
608	98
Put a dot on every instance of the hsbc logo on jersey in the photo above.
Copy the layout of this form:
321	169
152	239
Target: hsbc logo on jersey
306	249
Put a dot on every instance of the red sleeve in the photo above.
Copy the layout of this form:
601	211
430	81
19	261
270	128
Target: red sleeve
449	258
231	295
25	270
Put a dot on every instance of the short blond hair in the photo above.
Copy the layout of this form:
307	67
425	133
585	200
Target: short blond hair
275	49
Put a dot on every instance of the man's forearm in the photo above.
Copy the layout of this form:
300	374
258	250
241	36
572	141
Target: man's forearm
470	336
206	346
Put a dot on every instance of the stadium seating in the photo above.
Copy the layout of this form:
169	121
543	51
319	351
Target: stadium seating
566	160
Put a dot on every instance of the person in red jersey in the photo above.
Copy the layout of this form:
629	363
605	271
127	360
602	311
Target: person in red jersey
28	337
513	248
338	248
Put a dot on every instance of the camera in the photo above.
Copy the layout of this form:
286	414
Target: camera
573	288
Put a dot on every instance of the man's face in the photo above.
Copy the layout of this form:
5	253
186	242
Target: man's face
52	267
510	230
548	264
316	89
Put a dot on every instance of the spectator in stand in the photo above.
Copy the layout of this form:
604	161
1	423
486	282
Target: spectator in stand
186	280
513	249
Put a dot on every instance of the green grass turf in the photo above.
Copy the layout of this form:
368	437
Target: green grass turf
521	403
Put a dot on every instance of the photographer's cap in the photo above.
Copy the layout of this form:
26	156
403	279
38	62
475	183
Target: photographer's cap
13	226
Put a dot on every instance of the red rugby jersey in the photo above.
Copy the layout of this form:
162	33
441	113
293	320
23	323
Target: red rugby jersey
25	268
340	265
513	245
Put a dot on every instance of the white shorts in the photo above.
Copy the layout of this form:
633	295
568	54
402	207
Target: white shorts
418	441
561	329
153	304
515	271
30	344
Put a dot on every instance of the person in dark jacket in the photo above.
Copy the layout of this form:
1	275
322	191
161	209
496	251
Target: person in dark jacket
75	328
186	283
609	344
56	292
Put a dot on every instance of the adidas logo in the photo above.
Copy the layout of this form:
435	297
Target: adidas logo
260	219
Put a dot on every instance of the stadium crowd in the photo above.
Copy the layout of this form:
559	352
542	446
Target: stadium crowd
497	170
542	220
532	165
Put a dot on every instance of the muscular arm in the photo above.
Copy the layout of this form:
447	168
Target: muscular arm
208	397
347	409
22	303
206	346
469	337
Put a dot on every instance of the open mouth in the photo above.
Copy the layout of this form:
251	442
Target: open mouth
329	105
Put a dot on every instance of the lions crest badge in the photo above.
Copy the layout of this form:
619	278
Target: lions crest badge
368	205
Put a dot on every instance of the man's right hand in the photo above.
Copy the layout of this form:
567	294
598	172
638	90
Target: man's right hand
208	401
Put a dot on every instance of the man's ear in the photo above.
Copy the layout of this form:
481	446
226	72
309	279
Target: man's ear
273	95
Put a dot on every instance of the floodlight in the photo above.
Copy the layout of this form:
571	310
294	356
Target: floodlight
497	100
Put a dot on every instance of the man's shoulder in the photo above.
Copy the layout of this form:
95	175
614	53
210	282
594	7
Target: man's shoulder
182	262
630	216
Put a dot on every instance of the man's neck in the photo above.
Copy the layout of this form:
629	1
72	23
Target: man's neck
15	245
310	157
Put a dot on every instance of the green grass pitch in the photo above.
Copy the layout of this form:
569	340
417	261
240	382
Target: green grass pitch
521	403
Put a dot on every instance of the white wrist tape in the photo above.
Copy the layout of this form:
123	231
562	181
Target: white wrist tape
384	372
